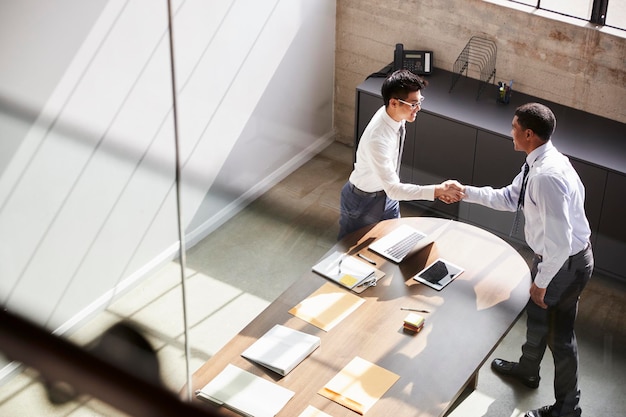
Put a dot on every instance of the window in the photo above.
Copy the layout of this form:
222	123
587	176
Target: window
616	14
575	8
602	12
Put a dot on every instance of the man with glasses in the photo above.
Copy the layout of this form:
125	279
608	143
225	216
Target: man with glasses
374	190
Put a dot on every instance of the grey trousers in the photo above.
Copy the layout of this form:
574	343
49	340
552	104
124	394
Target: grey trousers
554	328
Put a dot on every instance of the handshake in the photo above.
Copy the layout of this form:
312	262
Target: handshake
450	191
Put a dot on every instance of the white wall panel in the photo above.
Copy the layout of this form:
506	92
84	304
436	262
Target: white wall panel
87	197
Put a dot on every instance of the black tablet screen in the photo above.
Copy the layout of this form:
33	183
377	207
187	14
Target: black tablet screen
435	273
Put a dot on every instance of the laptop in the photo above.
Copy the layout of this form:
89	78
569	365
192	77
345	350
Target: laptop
404	241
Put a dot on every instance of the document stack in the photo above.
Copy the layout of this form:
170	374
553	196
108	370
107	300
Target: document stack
245	393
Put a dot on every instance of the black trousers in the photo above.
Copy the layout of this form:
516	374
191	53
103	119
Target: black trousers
554	328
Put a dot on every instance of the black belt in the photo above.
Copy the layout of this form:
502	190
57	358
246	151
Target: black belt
362	193
573	256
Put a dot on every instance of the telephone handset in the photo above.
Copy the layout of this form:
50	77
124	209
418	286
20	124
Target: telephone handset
418	62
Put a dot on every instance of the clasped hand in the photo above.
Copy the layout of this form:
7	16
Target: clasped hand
449	191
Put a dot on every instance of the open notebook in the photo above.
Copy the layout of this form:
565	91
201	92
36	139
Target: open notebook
345	270
404	241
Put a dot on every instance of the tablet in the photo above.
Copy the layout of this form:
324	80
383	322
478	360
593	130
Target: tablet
438	274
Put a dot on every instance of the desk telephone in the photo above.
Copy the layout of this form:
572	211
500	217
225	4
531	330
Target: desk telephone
418	62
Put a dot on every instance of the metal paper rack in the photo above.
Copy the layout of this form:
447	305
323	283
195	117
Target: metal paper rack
480	52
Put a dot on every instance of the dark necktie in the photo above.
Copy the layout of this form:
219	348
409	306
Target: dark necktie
522	192
401	135
520	200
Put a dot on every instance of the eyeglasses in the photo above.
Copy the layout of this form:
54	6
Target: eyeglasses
413	106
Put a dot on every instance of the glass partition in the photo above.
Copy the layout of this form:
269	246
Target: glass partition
91	206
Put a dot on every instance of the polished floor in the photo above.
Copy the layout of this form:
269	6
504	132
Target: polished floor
239	269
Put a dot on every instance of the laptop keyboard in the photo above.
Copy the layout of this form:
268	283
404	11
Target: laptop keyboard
400	249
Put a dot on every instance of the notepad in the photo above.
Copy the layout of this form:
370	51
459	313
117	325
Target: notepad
413	323
281	349
345	270
327	306
245	393
359	385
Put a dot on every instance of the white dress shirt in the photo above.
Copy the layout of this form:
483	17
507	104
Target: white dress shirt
377	161
555	223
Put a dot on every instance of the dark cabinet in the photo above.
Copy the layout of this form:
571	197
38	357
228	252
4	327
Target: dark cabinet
367	105
610	242
594	179
495	164
443	150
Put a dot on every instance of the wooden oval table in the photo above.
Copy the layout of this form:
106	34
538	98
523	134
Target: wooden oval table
467	320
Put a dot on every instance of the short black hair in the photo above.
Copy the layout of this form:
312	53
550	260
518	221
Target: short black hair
399	84
538	118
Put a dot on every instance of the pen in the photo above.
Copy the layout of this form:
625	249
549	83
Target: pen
414	309
360	255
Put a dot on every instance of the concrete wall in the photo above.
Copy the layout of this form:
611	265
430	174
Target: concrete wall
565	61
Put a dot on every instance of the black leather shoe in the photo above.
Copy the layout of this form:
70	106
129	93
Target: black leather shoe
545	411
511	369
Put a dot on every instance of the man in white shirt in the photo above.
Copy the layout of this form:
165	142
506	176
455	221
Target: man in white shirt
374	188
552	198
